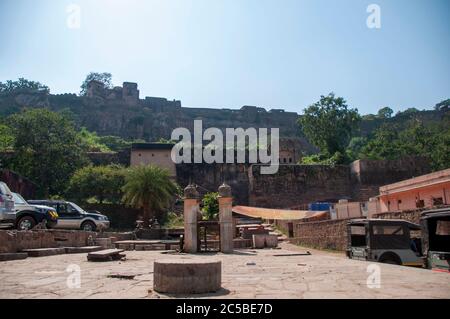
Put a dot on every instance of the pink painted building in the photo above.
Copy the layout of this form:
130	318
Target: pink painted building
420	192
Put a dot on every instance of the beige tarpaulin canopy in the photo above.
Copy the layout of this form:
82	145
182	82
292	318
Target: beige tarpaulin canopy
280	214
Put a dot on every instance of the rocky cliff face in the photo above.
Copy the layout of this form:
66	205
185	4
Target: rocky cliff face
153	118
120	112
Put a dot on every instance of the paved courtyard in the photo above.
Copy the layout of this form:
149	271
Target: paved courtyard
246	274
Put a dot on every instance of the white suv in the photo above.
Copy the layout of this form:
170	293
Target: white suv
7	213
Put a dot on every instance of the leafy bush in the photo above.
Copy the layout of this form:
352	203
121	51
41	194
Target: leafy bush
103	183
173	220
210	206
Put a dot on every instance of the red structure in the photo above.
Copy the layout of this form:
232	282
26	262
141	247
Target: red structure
420	192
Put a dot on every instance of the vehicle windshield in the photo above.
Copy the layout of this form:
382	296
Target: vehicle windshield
358	236
18	199
4	190
439	234
78	208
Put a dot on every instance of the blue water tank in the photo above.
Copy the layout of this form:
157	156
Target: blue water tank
319	206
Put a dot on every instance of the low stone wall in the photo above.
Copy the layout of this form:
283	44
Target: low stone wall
12	241
118	236
34	240
409	215
8	242
72	238
332	234
327	234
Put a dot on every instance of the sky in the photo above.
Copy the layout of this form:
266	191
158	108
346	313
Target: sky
230	53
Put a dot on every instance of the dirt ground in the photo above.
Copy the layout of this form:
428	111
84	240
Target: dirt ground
245	274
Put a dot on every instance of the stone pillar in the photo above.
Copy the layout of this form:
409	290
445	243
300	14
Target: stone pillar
226	219
191	208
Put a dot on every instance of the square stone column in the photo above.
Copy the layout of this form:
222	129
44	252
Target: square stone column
191	208
226	219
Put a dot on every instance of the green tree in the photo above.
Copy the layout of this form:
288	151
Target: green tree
163	140
114	143
92	141
384	144
22	85
417	139
104	183
6	138
210	203
329	124
105	78
443	105
355	146
47	149
408	111
369	117
385	113
149	188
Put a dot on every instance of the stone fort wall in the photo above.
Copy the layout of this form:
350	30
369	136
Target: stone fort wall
298	185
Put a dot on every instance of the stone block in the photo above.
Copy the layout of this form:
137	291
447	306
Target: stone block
8	242
105	243
187	276
265	241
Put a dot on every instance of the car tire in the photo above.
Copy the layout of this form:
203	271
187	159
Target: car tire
390	259
26	223
88	226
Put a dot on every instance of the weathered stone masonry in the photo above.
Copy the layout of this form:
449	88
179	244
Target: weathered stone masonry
296	185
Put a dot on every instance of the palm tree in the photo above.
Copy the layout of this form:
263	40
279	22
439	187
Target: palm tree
149	188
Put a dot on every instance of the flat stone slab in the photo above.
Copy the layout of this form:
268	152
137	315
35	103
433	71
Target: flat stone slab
13	256
326	275
42	252
187	276
80	250
147	244
106	255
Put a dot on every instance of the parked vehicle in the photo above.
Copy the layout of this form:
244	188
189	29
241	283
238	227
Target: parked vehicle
72	216
7	214
384	240
436	238
28	216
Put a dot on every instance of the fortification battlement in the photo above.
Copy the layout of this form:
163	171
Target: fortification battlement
129	93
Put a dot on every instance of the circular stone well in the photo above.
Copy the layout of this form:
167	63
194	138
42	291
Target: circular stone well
187	276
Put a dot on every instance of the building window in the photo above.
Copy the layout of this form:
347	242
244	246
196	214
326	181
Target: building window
387	230
140	154
437	201
420	203
399	201
290	160
153	155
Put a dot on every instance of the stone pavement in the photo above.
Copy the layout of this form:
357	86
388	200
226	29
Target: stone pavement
245	274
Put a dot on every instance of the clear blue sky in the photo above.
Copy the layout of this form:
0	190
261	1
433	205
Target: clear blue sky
229	53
